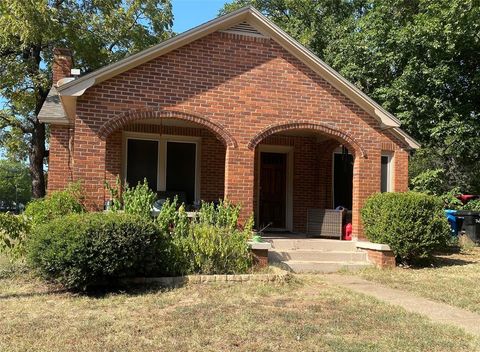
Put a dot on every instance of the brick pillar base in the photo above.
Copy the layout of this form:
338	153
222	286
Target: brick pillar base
260	257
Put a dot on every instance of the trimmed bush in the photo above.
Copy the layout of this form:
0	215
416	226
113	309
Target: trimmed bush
412	224
84	250
56	204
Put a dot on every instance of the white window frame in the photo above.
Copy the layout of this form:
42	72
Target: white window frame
162	156
388	155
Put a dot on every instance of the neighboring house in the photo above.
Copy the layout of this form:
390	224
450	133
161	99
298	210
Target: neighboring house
233	108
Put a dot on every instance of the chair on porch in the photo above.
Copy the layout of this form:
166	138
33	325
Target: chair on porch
324	223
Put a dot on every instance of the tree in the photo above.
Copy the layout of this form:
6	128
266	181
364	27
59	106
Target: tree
417	58
15	183
98	32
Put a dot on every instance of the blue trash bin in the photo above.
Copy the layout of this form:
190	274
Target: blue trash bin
452	220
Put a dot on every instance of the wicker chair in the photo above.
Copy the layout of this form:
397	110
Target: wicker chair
324	223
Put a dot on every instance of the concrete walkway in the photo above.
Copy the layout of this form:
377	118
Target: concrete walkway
436	311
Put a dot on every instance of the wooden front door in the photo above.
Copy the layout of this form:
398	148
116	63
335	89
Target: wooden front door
273	189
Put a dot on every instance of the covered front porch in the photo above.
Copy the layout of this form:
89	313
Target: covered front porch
302	180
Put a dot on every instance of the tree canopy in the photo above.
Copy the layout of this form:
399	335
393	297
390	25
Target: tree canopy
418	58
15	184
98	32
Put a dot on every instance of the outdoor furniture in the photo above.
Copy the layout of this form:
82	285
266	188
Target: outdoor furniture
324	223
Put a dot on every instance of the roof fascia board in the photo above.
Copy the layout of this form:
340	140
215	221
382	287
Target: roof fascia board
412	143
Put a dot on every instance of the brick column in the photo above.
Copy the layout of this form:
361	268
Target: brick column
239	179
400	171
366	181
59	161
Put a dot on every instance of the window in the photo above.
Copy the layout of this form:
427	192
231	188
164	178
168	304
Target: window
142	161
181	170
169	163
386	174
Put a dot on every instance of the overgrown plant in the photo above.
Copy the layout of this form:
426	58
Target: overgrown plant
135	200
14	231
210	244
138	200
115	194
224	214
56	204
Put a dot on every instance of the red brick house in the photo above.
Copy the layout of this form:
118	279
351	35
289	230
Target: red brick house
233	108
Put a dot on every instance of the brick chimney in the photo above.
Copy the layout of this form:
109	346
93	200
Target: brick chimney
62	64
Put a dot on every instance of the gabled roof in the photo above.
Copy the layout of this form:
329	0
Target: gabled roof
260	23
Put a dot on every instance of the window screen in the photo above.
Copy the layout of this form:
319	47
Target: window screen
142	162
181	170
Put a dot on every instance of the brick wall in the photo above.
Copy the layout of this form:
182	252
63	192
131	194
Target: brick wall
60	171
239	86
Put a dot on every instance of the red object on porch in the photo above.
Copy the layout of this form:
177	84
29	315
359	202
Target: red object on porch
347	232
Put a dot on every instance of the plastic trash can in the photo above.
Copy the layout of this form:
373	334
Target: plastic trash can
471	224
452	220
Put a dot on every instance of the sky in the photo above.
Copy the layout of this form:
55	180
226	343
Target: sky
190	13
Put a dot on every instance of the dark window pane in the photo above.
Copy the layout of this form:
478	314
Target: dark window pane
384	174
342	180
181	170
142	162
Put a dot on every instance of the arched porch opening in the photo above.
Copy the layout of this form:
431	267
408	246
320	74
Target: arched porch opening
179	154
302	174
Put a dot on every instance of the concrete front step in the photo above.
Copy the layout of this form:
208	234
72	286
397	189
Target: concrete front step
321	266
317	255
311	244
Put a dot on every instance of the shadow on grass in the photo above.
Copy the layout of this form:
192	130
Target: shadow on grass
97	292
451	256
33	294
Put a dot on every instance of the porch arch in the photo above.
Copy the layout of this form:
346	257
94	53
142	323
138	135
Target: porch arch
335	133
137	115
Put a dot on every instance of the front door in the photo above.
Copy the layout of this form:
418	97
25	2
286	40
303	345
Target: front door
273	188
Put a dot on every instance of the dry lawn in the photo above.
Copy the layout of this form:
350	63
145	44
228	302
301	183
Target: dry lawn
453	279
304	314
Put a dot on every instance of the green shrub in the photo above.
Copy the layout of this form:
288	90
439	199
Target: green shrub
216	250
412	224
211	244
13	234
225	214
138	200
57	204
84	250
473	205
135	200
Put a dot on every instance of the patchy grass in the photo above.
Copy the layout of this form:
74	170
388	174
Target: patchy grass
304	314
453	278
